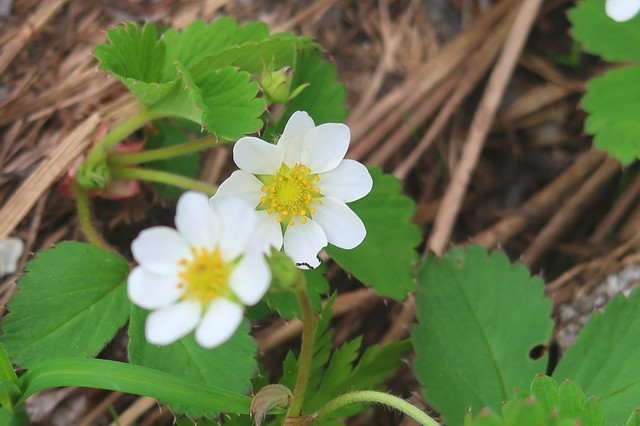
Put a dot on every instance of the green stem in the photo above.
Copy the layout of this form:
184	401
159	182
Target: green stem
306	351
368	396
117	134
84	217
124	159
150	175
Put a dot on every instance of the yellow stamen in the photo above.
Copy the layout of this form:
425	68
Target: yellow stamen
205	277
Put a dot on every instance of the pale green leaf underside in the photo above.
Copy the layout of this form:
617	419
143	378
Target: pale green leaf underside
601	35
605	360
613	104
478	318
71	302
229	366
386	258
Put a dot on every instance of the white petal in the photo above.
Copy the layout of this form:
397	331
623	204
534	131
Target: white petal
250	279
325	146
303	242
152	291
169	324
342	226
349	181
267	233
622	10
159	249
291	140
238	225
10	251
220	322
240	184
256	156
196	221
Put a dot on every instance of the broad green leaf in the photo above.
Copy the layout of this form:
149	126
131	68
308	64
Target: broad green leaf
386	259
613	104
286	303
175	389
158	73
601	35
478	318
229	366
605	360
634	419
71	302
323	99
165	134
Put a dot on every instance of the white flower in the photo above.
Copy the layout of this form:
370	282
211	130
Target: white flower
200	276
300	188
622	10
10	251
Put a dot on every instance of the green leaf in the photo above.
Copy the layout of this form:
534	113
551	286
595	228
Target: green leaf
613	104
601	35
605	360
634	419
386	259
229	366
286	303
172	389
323	99
471	343
71	302
168	134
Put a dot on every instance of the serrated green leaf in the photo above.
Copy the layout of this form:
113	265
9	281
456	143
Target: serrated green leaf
166	134
71	302
323	99
570	400
634	419
592	413
524	412
605	360
601	35
613	104
485	418
229	366
471	348
286	303
545	390
386	258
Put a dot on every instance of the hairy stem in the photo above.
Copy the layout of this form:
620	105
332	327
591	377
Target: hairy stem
306	351
150	175
124	159
83	208
368	396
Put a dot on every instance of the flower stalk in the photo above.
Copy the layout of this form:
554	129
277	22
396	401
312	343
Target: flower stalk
83	207
129	159
136	173
306	350
369	396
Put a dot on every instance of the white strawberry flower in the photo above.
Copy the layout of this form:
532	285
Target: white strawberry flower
622	10
201	275
300	188
10	251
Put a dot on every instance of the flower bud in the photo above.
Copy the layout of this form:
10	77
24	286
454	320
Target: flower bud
276	85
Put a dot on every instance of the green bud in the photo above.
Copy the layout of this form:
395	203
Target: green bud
284	273
93	176
276	85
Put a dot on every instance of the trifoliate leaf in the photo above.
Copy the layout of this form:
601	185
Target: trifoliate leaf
386	258
229	366
323	99
601	35
613	104
605	360
166	134
478	318
70	303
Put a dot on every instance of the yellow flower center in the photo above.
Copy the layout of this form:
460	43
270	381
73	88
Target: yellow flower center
205	277
290	193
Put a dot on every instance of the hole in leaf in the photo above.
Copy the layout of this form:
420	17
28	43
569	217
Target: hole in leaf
537	351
